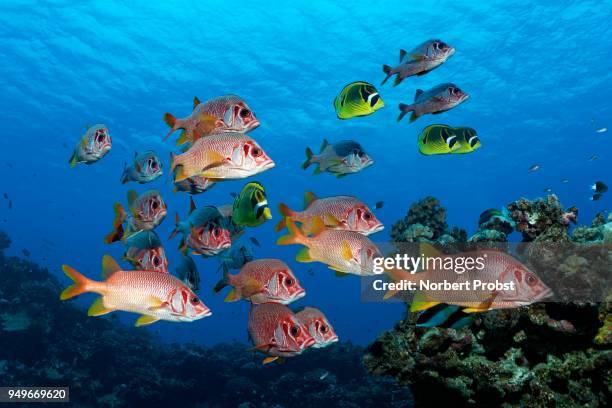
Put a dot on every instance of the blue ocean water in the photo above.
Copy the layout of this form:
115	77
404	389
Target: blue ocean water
538	75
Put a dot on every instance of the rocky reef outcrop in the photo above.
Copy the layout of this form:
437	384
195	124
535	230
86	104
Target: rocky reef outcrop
46	342
552	354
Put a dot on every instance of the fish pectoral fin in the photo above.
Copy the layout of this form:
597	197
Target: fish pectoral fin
304	255
418	57
331	221
232	296
156	303
251	287
145	320
97	308
347	253
269	359
482	307
420	302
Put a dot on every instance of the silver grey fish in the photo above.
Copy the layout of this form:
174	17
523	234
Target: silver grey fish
340	158
436	100
421	60
94	145
145	168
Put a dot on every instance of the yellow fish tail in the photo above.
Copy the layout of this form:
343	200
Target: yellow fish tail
79	286
295	236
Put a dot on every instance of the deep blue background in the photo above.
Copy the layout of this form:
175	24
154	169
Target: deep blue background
538	75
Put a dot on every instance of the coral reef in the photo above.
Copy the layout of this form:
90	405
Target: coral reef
543	219
47	342
426	222
543	355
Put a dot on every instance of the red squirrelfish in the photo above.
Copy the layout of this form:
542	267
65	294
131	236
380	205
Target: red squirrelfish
342	251
522	286
262	281
227	113
318	326
146	211
145	252
276	331
221	156
204	231
154	295
423	59
339	212
438	99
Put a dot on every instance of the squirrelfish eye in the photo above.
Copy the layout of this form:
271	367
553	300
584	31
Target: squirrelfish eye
156	261
256	152
323	328
367	216
195	300
530	279
244	113
217	232
436	45
294	330
289	281
155	205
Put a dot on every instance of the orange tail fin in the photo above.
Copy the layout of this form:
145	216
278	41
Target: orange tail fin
117	233
295	236
285	212
79	286
173	122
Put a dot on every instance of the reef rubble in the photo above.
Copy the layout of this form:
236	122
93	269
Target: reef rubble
46	342
552	354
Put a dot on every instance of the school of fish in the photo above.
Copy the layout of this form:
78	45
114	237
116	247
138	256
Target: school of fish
216	145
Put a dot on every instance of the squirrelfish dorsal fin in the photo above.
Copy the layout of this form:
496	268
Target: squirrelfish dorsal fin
402	54
109	266
418	93
324	145
196	101
309	197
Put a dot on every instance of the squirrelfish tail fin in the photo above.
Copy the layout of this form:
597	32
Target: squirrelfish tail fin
295	236
79	286
118	232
